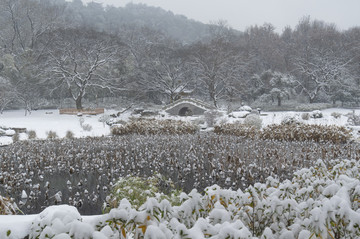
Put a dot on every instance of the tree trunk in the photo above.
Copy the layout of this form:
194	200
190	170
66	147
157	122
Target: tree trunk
279	101
311	100
78	102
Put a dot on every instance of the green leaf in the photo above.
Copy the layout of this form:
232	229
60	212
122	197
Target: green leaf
8	233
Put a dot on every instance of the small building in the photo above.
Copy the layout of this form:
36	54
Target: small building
187	107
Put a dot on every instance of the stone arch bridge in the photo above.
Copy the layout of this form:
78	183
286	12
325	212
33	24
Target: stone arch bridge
187	107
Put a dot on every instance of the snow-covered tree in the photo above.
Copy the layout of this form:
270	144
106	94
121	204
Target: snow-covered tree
7	93
217	62
81	60
25	21
281	86
319	71
170	75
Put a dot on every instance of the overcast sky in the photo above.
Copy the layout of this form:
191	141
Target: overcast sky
241	14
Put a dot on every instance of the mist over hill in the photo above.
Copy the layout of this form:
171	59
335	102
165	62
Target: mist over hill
111	19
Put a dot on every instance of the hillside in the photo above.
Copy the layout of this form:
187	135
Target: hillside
111	19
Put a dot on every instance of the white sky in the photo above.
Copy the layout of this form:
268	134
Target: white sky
241	14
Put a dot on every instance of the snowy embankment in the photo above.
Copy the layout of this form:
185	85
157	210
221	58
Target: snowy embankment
322	201
44	121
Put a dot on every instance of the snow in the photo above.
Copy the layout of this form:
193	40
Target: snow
43	121
18	225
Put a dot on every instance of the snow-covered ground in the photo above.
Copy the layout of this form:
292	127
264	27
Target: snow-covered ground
43	121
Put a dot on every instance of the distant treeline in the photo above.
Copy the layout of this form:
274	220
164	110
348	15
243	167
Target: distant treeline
53	50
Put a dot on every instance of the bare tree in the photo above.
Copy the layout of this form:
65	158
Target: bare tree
169	73
25	21
7	94
319	71
81	60
217	62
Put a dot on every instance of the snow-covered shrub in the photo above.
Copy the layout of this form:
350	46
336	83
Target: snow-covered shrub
245	108
69	134
51	135
7	206
237	129
86	127
253	120
305	116
353	119
305	132
137	190
31	134
336	115
290	118
153	126
56	221
104	118
115	121
211	117
316	114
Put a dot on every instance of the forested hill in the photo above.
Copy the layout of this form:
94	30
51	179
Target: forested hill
111	19
52	51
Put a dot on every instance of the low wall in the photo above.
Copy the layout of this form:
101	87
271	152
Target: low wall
83	111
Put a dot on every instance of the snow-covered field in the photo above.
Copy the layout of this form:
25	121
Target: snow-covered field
336	193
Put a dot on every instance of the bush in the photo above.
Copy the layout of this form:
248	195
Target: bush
69	134
353	119
51	135
305	116
211	117
253	120
237	129
61	220
305	132
316	114
137	190
288	132
290	118
31	134
336	115
153	126
86	127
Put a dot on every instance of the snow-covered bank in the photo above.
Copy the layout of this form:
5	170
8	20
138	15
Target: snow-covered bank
44	121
